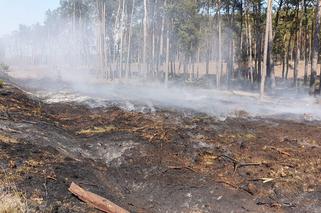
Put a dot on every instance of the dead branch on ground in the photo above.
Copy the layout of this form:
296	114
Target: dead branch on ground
95	200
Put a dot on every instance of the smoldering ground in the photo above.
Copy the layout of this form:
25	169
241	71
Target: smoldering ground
137	95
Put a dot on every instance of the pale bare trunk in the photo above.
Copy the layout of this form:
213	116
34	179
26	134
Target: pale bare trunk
145	22
101	7
130	41
315	48
167	58
266	46
219	64
122	21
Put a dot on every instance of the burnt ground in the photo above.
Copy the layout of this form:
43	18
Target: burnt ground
166	161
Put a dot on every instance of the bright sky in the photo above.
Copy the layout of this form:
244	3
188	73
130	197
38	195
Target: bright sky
15	12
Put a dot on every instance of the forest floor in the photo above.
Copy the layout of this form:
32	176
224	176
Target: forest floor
163	161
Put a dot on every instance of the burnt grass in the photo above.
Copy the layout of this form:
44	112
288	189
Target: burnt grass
165	161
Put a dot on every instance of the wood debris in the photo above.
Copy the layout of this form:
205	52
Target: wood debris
95	200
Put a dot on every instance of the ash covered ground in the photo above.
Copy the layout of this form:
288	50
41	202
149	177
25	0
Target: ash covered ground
156	156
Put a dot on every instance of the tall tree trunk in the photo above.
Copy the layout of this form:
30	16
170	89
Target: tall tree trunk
241	47
230	60
297	48
101	7
278	13
167	66
122	29
129	53
145	41
296	59
167	59
315	48
249	31
208	39
270	49
267	42
219	64
161	45
259	41
288	56
116	58
283	65
306	47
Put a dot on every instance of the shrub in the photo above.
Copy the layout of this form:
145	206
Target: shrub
1	83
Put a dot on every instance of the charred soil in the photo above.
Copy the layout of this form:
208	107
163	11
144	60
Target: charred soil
165	161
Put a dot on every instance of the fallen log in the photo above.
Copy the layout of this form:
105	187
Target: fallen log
95	200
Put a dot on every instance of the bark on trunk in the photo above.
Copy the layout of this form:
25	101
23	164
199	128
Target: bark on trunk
128	70
315	48
145	22
266	46
219	64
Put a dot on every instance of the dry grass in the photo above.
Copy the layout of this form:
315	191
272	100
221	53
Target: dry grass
11	199
12	203
208	159
7	139
96	130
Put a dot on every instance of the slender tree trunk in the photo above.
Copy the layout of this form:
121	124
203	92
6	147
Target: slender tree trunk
259	41
122	24
296	60
208	39
101	7
270	49
145	22
161	46
278	13
315	48
249	32
230	62
129	53
219	68
297	48
288	56
267	42
167	57
306	47
153	68
116	58
283	66
241	26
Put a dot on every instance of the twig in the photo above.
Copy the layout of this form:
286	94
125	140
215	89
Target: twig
265	180
180	167
237	164
227	183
